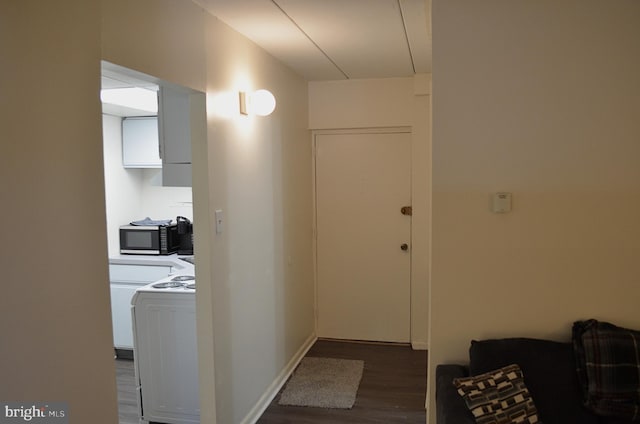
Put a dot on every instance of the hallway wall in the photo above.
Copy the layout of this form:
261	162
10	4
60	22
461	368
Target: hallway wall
390	102
529	99
255	278
55	315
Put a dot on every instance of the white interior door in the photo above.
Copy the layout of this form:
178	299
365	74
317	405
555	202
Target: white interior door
363	269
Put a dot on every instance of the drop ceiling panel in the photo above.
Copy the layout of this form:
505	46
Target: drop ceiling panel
417	24
365	38
264	23
335	39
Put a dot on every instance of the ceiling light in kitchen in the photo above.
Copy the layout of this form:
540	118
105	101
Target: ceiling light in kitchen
134	97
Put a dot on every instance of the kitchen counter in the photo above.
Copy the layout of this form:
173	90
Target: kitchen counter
172	260
131	273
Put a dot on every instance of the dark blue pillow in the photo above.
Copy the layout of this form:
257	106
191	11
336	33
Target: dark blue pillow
549	372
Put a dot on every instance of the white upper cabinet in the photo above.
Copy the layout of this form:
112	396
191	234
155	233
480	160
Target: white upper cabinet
174	125
149	141
140	147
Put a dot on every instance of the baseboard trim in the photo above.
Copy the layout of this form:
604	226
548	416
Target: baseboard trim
271	392
419	346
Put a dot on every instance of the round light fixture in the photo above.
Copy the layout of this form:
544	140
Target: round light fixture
262	102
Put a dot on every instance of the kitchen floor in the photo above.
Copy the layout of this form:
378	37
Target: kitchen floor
125	380
392	389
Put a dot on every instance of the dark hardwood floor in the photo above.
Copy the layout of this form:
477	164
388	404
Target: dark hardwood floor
125	380
392	389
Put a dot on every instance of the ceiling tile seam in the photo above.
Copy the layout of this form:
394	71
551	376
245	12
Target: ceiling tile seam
406	35
310	39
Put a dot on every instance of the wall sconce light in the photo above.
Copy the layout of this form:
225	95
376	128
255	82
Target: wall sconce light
260	103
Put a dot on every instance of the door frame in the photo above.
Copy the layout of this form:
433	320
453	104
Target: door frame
347	131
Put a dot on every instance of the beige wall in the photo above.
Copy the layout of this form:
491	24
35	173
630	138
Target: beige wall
163	38
539	99
55	317
255	280
260	177
364	103
390	102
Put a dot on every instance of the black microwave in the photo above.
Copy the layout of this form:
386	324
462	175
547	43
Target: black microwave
149	239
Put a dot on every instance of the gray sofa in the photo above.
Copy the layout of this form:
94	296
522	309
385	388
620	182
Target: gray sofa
549	373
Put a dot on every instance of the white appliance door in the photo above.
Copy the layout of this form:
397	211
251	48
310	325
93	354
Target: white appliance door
166	357
121	295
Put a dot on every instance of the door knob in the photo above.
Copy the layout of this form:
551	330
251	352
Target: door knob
406	210
404	246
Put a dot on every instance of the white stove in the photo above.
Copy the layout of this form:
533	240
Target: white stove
175	284
165	351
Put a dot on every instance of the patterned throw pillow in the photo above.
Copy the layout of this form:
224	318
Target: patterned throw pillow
608	364
498	397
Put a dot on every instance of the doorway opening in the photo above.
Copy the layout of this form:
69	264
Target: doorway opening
148	174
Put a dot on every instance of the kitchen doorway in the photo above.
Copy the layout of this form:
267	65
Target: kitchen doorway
145	178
